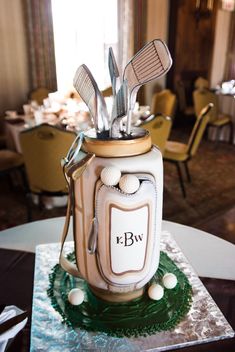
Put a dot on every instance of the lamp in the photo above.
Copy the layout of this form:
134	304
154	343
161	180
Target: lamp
228	5
203	9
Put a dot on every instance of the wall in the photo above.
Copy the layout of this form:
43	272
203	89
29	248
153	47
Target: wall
191	40
14	78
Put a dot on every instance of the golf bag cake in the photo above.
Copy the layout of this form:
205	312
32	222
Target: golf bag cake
116	280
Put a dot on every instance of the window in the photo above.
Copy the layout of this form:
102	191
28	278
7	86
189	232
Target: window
83	32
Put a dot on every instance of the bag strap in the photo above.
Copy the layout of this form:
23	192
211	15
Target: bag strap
71	268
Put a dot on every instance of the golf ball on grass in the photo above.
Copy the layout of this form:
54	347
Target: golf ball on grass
169	281
156	292
76	296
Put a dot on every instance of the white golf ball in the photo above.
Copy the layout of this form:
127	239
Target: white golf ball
156	292
110	175
129	184
169	281
76	296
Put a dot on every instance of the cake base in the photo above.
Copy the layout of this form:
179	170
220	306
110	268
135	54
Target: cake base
116	297
48	334
137	317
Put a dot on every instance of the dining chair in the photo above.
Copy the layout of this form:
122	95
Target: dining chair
180	153
39	94
164	103
12	163
43	147
201	83
108	92
201	98
3	139
159	128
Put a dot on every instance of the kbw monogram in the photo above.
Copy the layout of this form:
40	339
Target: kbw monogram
128	239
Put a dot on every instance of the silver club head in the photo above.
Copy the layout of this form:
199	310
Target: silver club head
87	88
113	71
119	111
151	62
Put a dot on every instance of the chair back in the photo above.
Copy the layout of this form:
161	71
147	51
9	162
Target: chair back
203	97
159	128
108	92
201	83
39	94
43	147
164	103
199	129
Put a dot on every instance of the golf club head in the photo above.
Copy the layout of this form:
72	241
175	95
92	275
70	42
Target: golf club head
113	71
149	63
119	110
87	88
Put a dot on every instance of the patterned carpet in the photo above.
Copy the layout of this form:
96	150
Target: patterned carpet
209	205
212	188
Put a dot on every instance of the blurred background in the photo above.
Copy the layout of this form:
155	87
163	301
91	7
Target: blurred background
42	44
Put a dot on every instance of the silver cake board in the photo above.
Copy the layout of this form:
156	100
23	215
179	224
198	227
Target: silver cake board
204	322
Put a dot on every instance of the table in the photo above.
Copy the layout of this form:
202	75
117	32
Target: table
203	323
209	255
12	132
13	126
226	106
17	247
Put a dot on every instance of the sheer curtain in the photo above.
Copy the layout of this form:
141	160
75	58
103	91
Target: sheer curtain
83	32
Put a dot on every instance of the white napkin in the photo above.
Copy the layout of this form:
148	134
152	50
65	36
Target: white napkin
8	313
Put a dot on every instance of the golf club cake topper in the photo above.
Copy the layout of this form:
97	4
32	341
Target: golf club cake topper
115	181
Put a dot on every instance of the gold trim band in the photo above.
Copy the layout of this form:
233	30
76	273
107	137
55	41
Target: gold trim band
114	148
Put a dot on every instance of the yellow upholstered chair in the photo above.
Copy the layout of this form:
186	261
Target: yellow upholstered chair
159	128
164	103
10	161
39	94
201	98
107	92
43	147
3	138
180	153
201	83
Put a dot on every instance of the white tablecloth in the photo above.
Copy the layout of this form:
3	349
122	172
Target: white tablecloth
226	106
12	134
209	255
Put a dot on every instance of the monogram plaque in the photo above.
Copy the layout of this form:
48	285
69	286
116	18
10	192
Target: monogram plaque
128	239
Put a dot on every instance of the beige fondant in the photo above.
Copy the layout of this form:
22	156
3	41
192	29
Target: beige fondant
117	297
117	147
151	163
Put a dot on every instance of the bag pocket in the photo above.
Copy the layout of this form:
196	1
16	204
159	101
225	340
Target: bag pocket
125	233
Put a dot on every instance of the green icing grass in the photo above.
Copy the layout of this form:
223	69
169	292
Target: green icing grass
140	317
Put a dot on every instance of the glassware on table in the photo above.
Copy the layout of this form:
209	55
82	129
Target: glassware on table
11	114
27	109
38	115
